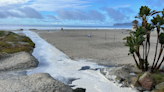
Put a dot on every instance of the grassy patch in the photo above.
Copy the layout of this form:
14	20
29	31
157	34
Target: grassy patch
10	43
161	90
2	33
139	75
157	78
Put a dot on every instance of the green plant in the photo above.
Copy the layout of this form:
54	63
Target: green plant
10	43
2	33
139	75
157	78
142	38
161	90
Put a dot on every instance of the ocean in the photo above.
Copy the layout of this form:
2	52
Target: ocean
57	27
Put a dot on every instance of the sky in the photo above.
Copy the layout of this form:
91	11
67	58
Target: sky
73	12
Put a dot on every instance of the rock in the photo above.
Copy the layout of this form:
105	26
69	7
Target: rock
105	72
102	71
40	82
125	84
4	55
20	60
140	89
162	68
160	86
122	72
79	90
119	80
136	70
134	81
12	74
145	81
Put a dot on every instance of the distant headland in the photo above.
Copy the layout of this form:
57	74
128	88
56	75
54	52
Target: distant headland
124	24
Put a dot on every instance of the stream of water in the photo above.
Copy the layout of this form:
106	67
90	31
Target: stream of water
73	73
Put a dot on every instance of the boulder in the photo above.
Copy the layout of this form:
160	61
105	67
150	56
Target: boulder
160	86
119	80
20	60
105	72
136	70
39	82
4	55
125	84
134	82
122	72
79	90
145	81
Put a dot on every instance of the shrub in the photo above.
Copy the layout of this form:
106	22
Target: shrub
2	33
142	38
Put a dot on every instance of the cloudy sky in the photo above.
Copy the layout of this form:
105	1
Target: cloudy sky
72	12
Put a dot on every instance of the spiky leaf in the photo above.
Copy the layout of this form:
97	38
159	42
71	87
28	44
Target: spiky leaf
144	11
140	31
154	21
149	27
140	40
158	20
163	12
132	49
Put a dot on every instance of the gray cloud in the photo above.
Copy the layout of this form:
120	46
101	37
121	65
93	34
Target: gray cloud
25	12
31	13
80	15
116	15
51	17
3	14
9	7
6	14
93	14
53	5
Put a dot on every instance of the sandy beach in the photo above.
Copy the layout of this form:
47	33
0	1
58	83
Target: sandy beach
104	46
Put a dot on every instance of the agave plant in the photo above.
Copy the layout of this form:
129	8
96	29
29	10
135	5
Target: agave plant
134	41
142	38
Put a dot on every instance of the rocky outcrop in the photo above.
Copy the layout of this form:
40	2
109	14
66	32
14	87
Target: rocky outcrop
124	75
123	72
40	82
145	81
20	60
